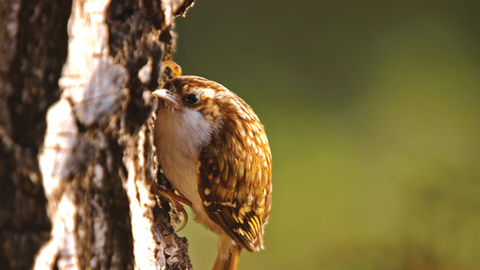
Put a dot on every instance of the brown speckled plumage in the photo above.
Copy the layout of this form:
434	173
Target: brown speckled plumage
230	157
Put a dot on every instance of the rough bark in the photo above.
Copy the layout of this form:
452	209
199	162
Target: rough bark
91	133
30	65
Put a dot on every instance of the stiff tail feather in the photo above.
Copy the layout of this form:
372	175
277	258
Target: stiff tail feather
231	263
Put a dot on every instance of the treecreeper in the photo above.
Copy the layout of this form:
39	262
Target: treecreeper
215	153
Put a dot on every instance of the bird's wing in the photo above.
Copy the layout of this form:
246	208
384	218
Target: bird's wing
234	173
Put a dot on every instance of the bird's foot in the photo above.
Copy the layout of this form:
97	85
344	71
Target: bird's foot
172	198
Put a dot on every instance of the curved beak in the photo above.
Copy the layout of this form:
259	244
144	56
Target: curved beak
167	97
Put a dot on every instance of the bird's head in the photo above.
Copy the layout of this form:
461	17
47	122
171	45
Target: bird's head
212	100
197	95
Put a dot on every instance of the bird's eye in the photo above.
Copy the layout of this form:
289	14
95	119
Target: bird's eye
191	99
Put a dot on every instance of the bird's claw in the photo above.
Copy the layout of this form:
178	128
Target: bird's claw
174	199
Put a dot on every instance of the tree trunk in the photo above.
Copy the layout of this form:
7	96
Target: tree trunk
76	142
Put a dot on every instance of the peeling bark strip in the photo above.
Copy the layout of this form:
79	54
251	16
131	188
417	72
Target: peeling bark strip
97	158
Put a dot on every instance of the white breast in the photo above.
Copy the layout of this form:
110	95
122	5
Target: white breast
179	137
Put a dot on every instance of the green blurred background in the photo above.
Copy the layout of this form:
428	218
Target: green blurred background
372	109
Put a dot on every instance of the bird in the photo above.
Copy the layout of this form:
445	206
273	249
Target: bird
214	151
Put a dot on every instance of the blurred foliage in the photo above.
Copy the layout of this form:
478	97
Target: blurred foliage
373	114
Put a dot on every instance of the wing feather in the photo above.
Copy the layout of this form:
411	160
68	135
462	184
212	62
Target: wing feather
236	170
